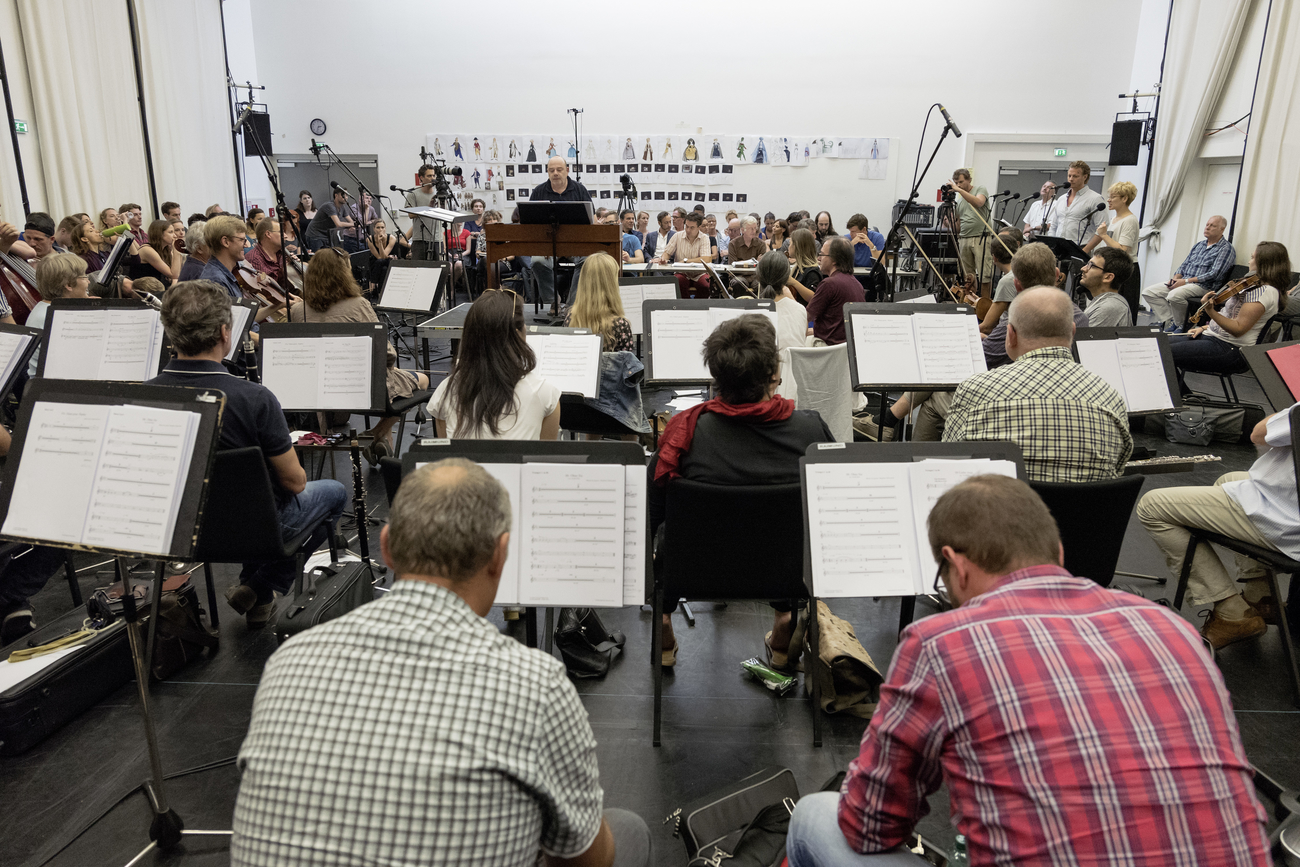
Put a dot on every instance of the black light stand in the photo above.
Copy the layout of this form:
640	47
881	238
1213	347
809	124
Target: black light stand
577	142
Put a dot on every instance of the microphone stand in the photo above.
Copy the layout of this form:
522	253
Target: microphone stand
281	212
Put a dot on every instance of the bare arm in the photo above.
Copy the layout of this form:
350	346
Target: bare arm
288	472
1247	316
551	431
1261	430
599	854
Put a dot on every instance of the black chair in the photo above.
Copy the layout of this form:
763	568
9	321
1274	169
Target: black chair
391	470
1092	518
577	417
1274	560
400	408
704	558
240	522
1131	291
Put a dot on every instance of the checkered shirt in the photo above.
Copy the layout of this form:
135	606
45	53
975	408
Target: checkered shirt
1209	265
1073	725
411	732
1070	424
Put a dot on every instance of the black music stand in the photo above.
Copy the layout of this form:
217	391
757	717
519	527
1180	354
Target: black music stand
166	828
555	215
414	301
1084	335
1275	388
22	356
61	305
702	304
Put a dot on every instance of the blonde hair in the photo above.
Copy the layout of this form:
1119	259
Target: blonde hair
1126	189
598	303
803	247
222	226
56	272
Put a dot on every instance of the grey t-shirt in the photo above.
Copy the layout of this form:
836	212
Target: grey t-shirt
1005	293
424	229
320	225
1109	310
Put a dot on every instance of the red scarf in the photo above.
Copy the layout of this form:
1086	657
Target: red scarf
677	436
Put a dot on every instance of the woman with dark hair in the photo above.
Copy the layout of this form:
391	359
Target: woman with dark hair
108	218
803	261
90	245
747	435
494	391
825	228
774	282
304	213
1216	347
158	258
778	236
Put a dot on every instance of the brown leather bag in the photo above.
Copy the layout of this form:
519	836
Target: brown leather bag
848	679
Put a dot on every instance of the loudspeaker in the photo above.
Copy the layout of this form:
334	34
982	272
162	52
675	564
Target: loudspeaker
1125	142
257	135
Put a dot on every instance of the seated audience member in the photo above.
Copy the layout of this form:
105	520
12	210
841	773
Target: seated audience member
825	228
710	228
133	215
158	258
632	250
255	216
778	236
1032	265
59	275
774	282
1216	347
383	247
1258	507
331	215
769	220
1204	270
657	240
331	294
679	219
108	218
224	235
196	317
642	226
494	391
747	435
748	246
63	233
1121	233
195	217
89	244
265	254
867	242
690	245
197	244
306	211
213	211
598	306
1007	699
1070	423
805	256
725	238
37	239
151	285
1103	276
425	675
171	211
837	288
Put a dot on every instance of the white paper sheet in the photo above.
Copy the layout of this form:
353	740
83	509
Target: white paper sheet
570	362
1102	358
635	296
238	317
677	341
508	476
931	479
719	315
944	347
634	534
885	349
1146	387
924	299
111	345
318	373
60	454
345	372
860	520
14	673
978	363
410	288
11	348
571	551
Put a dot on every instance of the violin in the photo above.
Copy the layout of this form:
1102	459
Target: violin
1245	284
260	285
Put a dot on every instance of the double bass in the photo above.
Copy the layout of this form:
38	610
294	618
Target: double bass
18	284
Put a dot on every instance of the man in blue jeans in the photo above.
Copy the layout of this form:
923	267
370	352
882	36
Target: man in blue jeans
196	315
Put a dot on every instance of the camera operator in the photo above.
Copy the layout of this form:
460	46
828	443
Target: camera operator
970	201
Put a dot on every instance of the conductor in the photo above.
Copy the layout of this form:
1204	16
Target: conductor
558	187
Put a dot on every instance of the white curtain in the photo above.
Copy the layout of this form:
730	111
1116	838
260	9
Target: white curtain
1270	183
83	86
184	72
1203	40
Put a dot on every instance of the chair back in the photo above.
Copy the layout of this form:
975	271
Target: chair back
1132	291
821	376
240	521
577	416
391	470
1092	518
733	541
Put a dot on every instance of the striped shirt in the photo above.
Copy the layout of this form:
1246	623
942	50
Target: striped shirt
1070	424
1073	725
1209	265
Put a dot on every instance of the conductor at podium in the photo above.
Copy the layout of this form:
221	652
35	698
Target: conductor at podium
558	187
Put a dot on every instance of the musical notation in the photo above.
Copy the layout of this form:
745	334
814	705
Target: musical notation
572	527
319	373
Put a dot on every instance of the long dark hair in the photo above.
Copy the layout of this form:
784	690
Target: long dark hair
493	357
1273	265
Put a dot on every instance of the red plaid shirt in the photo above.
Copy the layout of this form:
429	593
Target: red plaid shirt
1074	725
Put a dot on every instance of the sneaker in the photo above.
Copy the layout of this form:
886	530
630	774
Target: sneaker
258	615
242	598
1220	632
1173	328
869	427
17	623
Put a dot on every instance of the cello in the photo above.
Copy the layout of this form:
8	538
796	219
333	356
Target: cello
18	284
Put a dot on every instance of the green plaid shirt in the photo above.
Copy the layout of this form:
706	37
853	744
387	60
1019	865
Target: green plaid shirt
1070	424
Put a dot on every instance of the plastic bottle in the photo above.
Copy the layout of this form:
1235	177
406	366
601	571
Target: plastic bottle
959	850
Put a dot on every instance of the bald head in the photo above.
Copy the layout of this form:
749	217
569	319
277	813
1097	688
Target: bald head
558	171
1040	316
1214	228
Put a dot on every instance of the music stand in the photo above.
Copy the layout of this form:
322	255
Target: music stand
1275	388
59	306
21	358
1063	248
166	828
1140	332
406	290
648	308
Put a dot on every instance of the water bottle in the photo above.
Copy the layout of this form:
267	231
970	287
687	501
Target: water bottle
959	850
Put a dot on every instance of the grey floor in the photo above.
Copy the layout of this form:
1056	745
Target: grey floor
73	800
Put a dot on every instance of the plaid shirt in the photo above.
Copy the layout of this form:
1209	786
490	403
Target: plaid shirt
1070	424
1073	725
1209	265
411	731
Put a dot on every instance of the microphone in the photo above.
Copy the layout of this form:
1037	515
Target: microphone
396	189
315	150
1101	206
424	155
952	126
115	230
243	116
339	188
1001	194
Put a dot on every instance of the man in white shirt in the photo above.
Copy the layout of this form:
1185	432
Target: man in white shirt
1258	507
1077	212
1042	213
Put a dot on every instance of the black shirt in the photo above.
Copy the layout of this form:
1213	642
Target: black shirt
574	192
320	225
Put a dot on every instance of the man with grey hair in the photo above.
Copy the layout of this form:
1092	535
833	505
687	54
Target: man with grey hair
196	244
1070	423
1204	270
411	731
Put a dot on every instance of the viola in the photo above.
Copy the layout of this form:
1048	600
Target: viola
1245	284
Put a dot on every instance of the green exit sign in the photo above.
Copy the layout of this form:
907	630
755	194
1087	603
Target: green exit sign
20	126
1060	152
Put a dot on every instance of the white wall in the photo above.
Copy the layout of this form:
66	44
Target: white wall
20	91
839	69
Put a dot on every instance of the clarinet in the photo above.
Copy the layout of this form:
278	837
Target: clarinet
359	495
250	359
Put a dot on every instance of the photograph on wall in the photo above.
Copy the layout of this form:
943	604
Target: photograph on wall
741	197
728	197
510	171
619	168
522	194
659	195
714	197
699	197
537	168
724	177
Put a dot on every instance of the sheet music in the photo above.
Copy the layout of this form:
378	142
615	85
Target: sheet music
885	349
76	344
106	344
60	454
12	347
931	479
859	518
238	321
678	343
1145	385
572	525
410	288
632	299
508	476
345	366
719	315
570	362
634	533
979	364
319	373
944	347
924	299
1102	358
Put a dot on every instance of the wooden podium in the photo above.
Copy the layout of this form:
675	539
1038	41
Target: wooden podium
511	239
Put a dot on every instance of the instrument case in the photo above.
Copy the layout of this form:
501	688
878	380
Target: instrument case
327	592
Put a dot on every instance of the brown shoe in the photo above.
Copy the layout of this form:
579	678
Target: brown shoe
1267	609
869	428
1220	632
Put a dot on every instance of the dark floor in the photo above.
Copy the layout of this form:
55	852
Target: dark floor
74	800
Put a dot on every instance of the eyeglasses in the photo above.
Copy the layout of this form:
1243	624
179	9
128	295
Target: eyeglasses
941	589
502	289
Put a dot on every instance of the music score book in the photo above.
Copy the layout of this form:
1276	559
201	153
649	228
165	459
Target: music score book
242	315
906	346
635	293
677	331
1136	362
325	367
101	339
569	361
411	285
17	343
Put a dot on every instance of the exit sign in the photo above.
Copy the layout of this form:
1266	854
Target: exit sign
20	126
1060	152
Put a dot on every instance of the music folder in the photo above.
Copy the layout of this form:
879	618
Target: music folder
111	468
1136	362
866	507
106	339
17	343
567	357
328	366
412	285
1063	248
1277	367
905	346
565	213
243	313
675	332
635	291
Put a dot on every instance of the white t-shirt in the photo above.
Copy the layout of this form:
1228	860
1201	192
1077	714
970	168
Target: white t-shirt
1125	232
535	399
1040	213
791	323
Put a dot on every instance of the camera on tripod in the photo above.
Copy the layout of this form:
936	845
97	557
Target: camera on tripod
948	193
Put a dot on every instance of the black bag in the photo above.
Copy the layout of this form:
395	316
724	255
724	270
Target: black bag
34	709
585	644
1202	421
328	592
755	811
180	636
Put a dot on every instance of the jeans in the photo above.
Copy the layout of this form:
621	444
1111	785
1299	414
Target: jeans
544	274
1204	354
25	575
632	847
815	839
322	499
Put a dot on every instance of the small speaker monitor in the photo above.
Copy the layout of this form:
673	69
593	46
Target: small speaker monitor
1125	142
257	135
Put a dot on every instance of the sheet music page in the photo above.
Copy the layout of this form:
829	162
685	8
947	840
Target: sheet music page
570	362
60	454
345	372
508	476
860	528
632	299
885	349
931	479
943	346
76	344
924	299
719	315
645	292
238	318
1102	358
634	532
290	369
1145	385
571	528
677	340
978	363
132	343
11	348
410	288
138	484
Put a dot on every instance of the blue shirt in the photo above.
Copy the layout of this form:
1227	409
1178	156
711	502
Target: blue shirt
862	253
1209	265
631	244
217	273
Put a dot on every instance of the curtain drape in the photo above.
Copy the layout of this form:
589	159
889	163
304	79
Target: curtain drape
184	70
1270	184
83	86
1203	40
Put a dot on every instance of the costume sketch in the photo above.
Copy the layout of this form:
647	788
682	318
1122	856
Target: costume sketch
478	178
591	150
740	148
514	151
572	152
552	150
715	152
668	148
478	152
455	149
532	152
875	149
629	152
494	147
690	152
437	148
760	151
649	152
785	142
